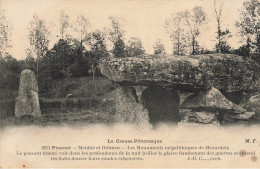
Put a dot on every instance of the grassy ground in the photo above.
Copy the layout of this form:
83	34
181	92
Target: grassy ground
89	103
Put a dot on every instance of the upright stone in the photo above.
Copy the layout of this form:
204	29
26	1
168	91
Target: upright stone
27	102
128	110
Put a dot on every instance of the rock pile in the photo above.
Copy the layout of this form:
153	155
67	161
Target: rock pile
27	102
213	107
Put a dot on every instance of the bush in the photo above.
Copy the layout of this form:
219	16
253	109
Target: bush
256	57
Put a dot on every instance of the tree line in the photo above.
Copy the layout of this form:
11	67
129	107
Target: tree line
77	56
185	27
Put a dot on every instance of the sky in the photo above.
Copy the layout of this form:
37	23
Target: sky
142	18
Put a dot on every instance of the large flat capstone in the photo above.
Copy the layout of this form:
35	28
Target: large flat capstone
225	72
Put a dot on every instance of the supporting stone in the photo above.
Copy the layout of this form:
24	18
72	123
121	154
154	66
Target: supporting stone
212	106
253	103
161	103
27	102
139	91
213	99
201	117
128	110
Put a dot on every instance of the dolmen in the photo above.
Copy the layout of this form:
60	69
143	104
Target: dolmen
149	86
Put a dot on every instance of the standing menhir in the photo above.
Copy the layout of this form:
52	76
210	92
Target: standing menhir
27	102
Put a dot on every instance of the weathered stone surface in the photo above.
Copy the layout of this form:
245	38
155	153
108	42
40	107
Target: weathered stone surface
27	102
128	110
200	117
243	116
226	72
192	126
139	90
183	95
161	103
254	103
211	100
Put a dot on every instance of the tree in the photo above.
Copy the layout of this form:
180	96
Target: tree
175	28
119	49
218	14
59	60
116	32
135	47
39	38
30	61
249	25
5	33
64	23
222	45
98	49
10	70
241	51
195	19
81	27
159	47
116	36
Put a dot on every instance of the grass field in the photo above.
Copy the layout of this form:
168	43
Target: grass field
88	103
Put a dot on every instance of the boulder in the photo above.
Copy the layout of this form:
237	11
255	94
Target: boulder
128	110
162	104
200	117
254	103
211	100
27	102
183	95
192	126
243	116
225	72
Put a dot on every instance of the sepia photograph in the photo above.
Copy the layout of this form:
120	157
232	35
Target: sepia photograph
129	83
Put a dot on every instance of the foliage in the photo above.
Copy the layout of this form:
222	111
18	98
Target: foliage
10	70
222	36
81	27
195	19
249	25
119	49
223	46
5	33
97	43
63	60
159	47
116	36
116	32
242	51
135	47
39	39
38	36
98	48
175	28
29	63
64	23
